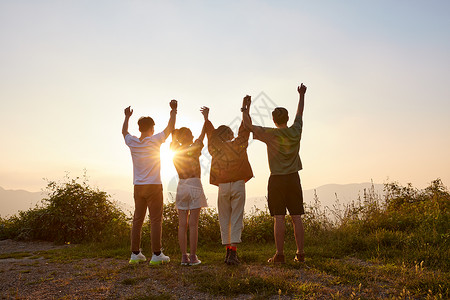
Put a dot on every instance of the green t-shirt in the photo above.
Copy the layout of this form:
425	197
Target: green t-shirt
283	145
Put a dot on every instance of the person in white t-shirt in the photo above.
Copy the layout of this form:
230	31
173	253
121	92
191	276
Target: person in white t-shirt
148	189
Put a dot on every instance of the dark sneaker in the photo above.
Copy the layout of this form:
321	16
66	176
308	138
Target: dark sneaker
185	260
277	259
299	257
194	260
228	255
232	258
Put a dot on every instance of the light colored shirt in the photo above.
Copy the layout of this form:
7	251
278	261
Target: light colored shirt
146	158
283	145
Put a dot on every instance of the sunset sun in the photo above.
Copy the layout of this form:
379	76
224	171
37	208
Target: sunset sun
167	167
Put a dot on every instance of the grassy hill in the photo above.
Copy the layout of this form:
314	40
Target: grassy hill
390	247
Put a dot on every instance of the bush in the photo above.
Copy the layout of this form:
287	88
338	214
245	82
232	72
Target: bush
73	212
409	225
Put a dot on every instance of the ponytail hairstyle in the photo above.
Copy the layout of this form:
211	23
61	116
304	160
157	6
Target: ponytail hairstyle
181	137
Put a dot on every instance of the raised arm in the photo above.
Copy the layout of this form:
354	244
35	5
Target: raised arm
205	112
301	102
173	117
246	112
208	126
128	112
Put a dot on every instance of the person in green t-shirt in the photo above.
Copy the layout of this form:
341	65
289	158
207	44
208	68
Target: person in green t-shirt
284	187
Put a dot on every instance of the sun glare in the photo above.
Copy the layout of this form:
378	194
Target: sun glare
167	167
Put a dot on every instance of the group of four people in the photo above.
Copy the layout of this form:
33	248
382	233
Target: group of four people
230	170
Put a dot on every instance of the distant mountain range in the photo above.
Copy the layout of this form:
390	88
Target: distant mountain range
12	201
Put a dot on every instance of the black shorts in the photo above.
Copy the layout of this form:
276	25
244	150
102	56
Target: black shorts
285	192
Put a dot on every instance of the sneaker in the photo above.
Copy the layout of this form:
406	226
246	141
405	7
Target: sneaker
137	258
228	255
159	259
299	257
194	260
232	258
277	259
185	260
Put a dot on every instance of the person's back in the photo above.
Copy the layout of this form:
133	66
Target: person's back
229	160
186	158
284	190
148	190
230	170
145	155
283	146
190	197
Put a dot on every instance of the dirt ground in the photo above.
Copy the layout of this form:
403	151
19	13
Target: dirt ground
34	277
26	274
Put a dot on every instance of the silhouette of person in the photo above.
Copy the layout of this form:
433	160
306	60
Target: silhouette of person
148	191
230	170
284	187
190	197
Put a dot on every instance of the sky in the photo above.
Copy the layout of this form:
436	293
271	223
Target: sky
377	72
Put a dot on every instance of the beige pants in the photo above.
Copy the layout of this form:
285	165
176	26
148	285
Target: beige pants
230	204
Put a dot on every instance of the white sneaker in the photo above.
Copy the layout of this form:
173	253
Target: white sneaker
159	259
137	258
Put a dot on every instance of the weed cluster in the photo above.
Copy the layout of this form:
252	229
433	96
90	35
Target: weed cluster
407	225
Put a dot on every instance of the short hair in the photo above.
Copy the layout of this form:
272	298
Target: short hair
280	115
145	123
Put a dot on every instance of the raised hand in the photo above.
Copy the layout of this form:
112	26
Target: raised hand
128	111
301	89
205	112
247	101
173	104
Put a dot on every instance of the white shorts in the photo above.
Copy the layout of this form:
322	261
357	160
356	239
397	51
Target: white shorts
190	194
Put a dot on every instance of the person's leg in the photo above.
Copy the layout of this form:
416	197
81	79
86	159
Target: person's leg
277	206
278	230
237	202
155	208
224	209
193	235
182	230
299	234
140	210
295	207
193	230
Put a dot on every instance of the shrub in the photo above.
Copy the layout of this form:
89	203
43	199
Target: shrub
73	212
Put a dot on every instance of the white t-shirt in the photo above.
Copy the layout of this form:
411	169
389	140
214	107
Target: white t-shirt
146	159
